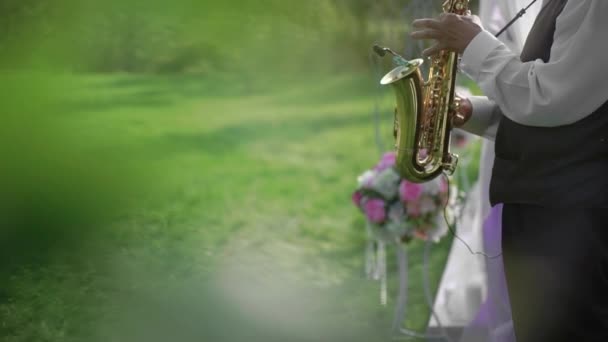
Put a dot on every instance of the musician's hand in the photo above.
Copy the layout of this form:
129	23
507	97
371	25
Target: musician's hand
463	112
450	31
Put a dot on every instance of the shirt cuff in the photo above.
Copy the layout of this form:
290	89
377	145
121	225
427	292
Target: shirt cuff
476	53
483	118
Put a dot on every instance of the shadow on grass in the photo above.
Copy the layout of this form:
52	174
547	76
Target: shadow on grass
286	89
232	137
143	99
185	86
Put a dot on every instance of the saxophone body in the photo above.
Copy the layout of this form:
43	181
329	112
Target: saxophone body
423	114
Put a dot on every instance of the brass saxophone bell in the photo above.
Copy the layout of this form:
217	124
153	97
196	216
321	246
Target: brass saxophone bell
402	71
424	110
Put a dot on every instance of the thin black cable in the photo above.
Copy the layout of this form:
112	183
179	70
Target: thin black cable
516	18
452	229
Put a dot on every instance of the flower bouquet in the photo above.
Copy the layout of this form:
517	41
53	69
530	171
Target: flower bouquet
397	209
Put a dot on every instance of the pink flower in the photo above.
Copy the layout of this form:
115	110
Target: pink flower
422	235
427	205
374	210
388	160
409	191
357	197
413	209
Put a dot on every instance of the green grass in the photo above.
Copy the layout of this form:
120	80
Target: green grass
247	233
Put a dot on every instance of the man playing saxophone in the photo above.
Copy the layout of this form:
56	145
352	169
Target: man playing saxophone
547	111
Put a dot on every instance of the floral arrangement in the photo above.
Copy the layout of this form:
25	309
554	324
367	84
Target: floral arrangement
399	209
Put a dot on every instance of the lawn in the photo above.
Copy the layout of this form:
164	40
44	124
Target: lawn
245	232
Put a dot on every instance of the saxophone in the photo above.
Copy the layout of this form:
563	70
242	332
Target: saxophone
423	115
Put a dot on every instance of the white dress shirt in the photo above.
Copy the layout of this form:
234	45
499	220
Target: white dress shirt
571	86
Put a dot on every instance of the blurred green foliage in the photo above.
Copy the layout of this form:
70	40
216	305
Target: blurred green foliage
199	36
56	187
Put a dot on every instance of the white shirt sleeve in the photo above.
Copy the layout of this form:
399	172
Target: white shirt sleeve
571	86
485	119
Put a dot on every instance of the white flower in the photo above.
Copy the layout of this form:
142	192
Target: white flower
396	212
440	229
433	187
386	183
366	178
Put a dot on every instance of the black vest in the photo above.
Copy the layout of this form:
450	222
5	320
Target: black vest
564	166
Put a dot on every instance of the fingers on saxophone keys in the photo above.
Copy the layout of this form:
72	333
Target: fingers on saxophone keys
427	24
433	50
426	34
458	119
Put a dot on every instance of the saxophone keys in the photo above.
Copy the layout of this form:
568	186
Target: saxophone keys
450	163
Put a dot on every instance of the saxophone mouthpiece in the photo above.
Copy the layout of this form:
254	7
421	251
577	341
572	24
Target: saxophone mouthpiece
379	50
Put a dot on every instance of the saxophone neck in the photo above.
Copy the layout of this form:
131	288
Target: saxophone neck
382	51
460	7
